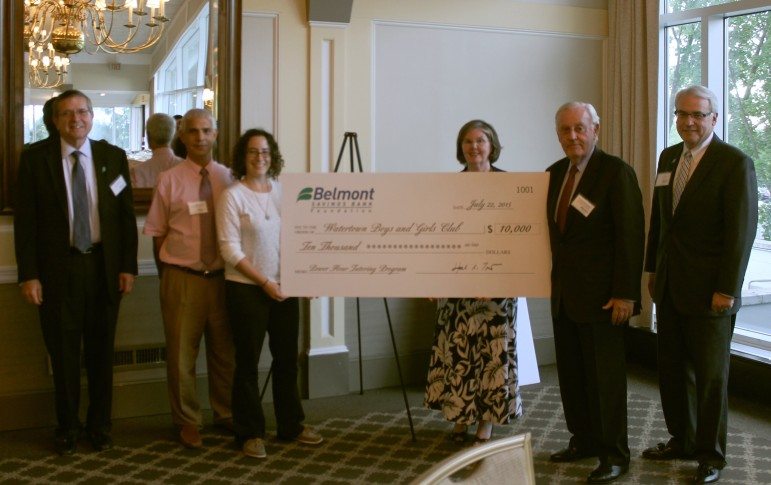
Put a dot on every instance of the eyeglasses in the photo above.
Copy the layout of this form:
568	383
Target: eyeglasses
256	153
68	113
696	115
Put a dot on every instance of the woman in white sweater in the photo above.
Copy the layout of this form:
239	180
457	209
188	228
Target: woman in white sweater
248	227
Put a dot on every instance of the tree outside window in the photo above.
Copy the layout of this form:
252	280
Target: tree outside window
747	85
749	100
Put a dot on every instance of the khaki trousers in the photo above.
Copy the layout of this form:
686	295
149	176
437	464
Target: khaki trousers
194	307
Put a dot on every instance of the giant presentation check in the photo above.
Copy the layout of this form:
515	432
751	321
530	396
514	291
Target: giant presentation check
415	235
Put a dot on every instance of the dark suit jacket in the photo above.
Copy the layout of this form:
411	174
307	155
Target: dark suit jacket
41	220
599	256
705	245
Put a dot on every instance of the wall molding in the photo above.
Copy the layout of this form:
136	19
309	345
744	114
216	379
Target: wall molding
147	267
327	25
9	274
481	28
336	349
274	16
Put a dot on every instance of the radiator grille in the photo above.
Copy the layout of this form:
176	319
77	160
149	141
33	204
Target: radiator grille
132	358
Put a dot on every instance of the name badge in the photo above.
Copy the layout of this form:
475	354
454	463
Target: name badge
118	185
662	179
197	207
582	205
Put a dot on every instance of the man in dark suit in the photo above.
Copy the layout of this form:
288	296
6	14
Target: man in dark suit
703	222
596	228
76	250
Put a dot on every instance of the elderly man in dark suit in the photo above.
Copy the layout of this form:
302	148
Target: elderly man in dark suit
596	228
703	222
76	249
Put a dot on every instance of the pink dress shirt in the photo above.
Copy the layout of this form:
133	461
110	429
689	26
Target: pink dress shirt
170	216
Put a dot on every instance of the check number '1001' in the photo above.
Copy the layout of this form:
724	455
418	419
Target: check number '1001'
508	228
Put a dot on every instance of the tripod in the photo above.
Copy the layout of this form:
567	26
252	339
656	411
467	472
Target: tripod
351	139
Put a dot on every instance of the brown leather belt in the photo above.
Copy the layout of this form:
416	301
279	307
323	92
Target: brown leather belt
207	273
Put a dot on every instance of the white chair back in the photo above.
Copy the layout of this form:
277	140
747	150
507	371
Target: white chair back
504	461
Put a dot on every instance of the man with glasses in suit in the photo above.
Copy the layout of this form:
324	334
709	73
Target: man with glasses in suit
703	222
76	248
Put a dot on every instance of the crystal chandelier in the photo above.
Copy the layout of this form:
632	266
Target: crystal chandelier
71	26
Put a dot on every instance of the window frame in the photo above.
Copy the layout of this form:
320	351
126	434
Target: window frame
175	63
714	56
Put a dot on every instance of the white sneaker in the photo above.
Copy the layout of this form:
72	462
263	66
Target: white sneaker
255	448
309	437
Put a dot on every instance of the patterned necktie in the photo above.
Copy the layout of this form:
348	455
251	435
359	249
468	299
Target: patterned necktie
81	228
682	179
208	235
564	203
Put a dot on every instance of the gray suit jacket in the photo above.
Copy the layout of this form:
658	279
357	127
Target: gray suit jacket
704	247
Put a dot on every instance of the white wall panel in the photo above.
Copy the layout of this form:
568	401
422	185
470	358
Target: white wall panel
259	72
430	79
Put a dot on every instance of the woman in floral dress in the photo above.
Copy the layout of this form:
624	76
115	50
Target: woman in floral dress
472	376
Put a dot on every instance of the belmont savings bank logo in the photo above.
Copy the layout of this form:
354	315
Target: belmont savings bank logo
323	199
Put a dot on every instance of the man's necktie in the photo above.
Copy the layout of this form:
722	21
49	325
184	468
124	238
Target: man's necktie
682	179
81	228
208	234
564	203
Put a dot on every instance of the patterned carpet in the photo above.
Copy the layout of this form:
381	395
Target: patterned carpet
376	448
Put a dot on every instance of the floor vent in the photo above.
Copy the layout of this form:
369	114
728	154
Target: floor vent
133	358
140	357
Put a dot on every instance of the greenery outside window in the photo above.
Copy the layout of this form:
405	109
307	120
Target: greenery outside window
683	67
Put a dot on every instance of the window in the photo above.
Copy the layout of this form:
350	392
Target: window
725	45
113	125
179	81
683	67
34	129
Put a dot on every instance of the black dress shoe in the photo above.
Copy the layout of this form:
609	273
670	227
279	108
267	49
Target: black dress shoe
65	444
100	440
706	474
571	453
663	452
606	473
